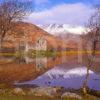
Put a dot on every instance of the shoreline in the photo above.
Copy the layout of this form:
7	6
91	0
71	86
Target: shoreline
47	92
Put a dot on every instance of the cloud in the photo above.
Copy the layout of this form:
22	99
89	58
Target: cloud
74	14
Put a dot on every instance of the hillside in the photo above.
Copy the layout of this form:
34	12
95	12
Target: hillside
29	32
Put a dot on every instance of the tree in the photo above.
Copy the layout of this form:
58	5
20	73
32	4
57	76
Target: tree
92	38
12	11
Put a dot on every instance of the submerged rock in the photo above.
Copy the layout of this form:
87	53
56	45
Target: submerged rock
18	91
71	95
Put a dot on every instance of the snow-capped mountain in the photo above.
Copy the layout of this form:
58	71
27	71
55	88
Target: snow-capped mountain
57	29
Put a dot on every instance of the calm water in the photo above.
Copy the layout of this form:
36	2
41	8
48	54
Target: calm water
68	74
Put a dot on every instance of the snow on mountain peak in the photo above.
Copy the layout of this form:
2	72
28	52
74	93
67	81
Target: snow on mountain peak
62	29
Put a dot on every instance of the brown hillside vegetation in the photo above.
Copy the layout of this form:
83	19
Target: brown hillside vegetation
30	33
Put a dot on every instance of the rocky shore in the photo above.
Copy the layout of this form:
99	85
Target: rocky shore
55	93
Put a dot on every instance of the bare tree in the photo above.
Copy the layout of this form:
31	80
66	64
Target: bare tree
92	38
12	11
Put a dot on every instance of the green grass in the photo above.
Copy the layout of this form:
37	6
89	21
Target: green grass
42	54
7	94
87	97
26	98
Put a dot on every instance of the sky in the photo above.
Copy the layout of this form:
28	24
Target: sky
73	12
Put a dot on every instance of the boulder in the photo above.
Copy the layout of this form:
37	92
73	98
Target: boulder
2	91
46	91
71	95
18	91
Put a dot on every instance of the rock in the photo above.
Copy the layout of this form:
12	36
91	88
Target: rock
2	91
46	91
18	91
71	95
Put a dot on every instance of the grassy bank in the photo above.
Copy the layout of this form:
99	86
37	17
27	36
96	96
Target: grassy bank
42	53
88	97
26	98
32	97
32	54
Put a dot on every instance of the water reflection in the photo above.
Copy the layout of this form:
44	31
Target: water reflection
41	63
18	72
68	78
52	71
